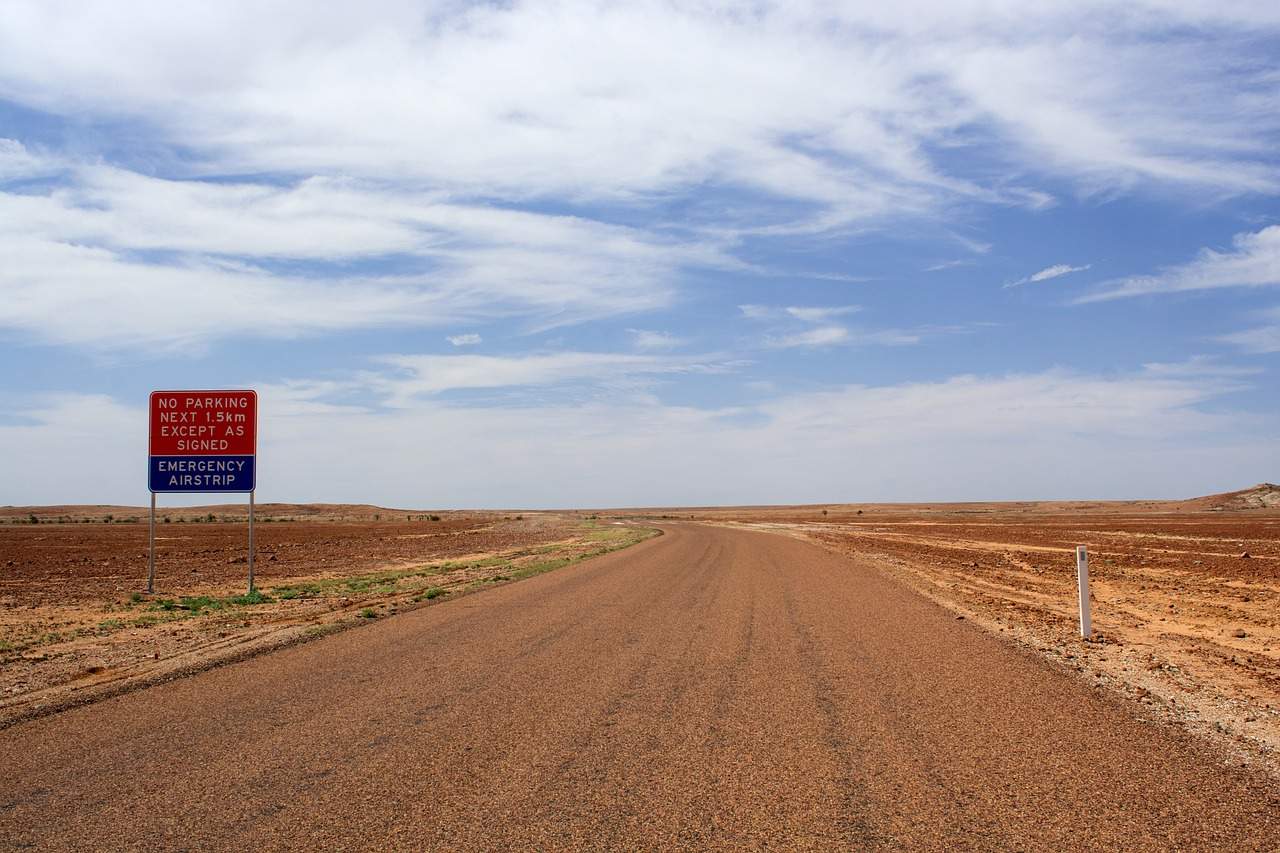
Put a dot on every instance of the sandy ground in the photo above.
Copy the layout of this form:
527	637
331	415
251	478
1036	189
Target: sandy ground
1187	627
709	689
77	625
1185	624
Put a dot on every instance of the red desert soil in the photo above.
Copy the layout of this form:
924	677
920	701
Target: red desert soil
76	624
1187	627
709	689
1185	623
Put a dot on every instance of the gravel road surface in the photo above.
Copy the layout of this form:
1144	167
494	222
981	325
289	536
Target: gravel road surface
711	688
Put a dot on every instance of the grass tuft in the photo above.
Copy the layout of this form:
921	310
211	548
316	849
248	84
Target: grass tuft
255	597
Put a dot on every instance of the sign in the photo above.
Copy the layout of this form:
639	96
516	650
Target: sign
203	441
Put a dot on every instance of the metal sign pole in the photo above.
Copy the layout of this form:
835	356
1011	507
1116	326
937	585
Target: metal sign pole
151	550
251	542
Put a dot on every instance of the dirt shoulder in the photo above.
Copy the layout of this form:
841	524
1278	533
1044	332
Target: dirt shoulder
1186	626
76	624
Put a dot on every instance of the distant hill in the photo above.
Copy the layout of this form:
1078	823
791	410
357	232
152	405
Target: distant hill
1261	496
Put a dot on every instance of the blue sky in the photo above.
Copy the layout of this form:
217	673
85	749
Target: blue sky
577	254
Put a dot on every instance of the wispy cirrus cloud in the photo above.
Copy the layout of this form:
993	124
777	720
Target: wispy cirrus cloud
802	326
1197	365
817	327
91	259
1055	271
1252	261
16	161
821	314
469	339
425	144
415	375
819	336
1261	338
947	265
650	339
802	313
675	97
97	298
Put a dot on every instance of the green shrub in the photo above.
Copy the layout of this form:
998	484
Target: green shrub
255	597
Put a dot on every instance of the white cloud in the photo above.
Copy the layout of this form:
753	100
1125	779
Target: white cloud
820	336
207	237
631	100
977	247
821	314
825	336
77	295
946	265
16	161
1259	339
318	218
1104	112
1006	407
314	219
1055	271
1253	261
69	437
403	130
649	339
1197	365
803	313
1050	434
427	375
79	274
468	340
812	327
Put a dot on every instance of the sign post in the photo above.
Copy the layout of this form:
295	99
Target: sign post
151	551
1082	582
251	543
202	442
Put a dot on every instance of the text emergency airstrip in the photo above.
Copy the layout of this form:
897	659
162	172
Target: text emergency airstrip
192	472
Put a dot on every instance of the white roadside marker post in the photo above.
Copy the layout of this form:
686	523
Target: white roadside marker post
1082	581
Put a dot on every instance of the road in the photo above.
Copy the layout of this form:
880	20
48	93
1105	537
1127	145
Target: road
708	689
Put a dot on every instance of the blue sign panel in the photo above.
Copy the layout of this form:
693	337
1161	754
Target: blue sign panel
202	473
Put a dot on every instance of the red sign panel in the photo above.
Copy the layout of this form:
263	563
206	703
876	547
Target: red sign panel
204	423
